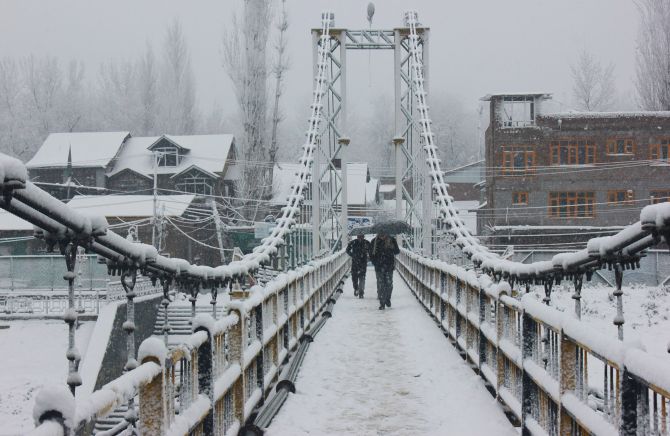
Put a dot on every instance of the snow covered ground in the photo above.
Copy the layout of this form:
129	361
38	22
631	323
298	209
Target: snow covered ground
646	312
33	355
391	372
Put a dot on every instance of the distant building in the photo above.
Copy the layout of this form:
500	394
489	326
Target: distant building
82	159
98	162
363	196
572	175
465	181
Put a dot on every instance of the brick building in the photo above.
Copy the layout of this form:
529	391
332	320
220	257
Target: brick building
571	175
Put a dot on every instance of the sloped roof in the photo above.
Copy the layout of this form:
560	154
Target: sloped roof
10	222
130	205
109	206
89	149
371	189
542	95
208	152
357	187
283	176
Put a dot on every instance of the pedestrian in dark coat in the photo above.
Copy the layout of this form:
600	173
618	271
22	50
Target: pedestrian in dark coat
358	250
383	250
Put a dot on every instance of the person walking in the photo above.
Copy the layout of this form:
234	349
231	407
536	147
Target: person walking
358	251
383	250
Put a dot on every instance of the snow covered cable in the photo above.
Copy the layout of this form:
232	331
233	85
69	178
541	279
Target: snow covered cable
628	242
60	221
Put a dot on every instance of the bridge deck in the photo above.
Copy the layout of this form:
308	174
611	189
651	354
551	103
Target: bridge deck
386	372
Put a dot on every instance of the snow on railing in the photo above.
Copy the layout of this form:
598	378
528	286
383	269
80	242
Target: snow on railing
209	383
623	248
57	223
554	372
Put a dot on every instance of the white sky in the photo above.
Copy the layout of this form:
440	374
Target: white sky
477	46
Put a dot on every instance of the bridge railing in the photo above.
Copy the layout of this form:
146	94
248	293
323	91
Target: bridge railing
551	370
211	383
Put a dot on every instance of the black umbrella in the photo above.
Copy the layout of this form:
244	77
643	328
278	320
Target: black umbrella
391	227
361	230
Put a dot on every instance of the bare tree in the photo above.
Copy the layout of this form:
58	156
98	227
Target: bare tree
593	85
12	116
147	82
245	61
280	66
117	97
177	85
653	55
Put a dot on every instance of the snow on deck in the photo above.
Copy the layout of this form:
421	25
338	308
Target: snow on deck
390	372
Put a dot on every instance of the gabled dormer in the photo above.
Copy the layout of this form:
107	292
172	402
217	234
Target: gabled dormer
170	154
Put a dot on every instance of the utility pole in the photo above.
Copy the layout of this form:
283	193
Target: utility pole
154	221
219	229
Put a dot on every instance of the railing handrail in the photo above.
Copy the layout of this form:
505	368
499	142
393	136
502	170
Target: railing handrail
319	280
434	282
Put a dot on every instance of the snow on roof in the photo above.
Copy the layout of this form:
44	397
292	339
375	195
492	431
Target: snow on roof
207	152
371	189
130	205
608	115
357	179
89	149
10	222
489	97
357	175
467	210
283	176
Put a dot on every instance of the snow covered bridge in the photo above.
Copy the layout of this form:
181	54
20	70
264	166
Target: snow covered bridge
366	371
387	372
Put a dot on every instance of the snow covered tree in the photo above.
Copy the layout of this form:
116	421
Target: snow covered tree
178	113
147	83
117	97
593	85
653	55
281	64
245	60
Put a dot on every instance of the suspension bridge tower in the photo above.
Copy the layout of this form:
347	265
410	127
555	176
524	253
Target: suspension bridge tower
414	197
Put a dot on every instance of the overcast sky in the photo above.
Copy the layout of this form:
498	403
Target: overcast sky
477	46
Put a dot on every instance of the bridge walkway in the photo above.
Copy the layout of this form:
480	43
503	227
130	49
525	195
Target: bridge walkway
391	372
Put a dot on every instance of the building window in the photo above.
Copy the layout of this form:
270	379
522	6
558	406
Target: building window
659	196
620	146
572	152
620	197
195	182
519	197
660	150
517	111
167	156
518	159
571	205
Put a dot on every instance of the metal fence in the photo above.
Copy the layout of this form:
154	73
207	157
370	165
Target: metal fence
34	285
42	273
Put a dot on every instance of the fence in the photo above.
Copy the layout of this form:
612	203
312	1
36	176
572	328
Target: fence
554	373
45	273
55	302
211	383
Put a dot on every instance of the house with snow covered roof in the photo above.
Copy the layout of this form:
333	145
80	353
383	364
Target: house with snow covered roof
362	194
560	178
197	164
99	162
78	158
